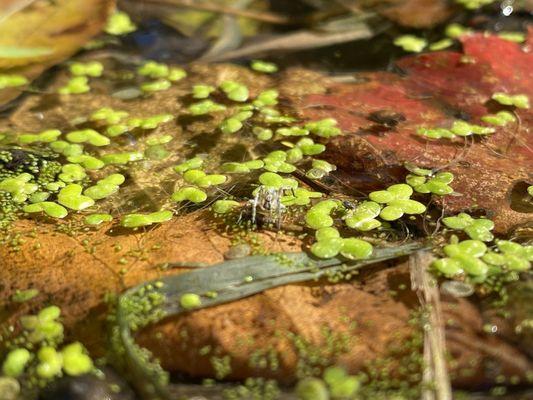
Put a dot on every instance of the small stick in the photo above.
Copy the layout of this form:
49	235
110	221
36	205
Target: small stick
435	371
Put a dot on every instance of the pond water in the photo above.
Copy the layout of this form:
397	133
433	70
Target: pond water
266	199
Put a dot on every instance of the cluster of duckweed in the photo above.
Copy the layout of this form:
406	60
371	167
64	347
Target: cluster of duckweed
481	263
37	355
254	388
12	80
335	383
474	4
424	180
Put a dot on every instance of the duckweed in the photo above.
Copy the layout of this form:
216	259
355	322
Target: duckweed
318	216
230	125
455	30
87	161
176	74
205	107
411	43
324	128
329	244
70	196
422	182
202	91
397	198
517	100
192	194
190	300
266	98
97	219
72	173
474	4
150	122
122	158
363	216
76	85
91	68
292	131
275	181
105	187
12	80
239	168
463	257
501	118
138	220
66	148
51	362
43	137
76	360
309	147
156	86
88	136
153	70
50	208
19	187
193	163
516	37
441	44
108	115
340	384
312	389
224	206
235	91
119	23
263	134
320	168
264	66
200	178
300	197
478	229
276	162
510	255
15	362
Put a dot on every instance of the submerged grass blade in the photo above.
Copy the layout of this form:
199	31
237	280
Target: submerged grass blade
231	280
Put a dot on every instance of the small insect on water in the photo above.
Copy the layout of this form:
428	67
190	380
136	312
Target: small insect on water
266	207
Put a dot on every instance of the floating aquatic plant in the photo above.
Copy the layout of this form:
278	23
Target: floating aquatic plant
138	220
478	229
501	118
425	181
47	136
205	107
398	202
49	208
264	66
326	127
108	115
318	216
76	85
193	163
517	100
224	206
156	86
192	194
88	136
235	91
363	217
411	43
119	23
244	167
12	80
70	196
329	244
97	219
91	68
105	187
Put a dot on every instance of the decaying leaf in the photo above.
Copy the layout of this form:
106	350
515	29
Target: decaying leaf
437	89
51	31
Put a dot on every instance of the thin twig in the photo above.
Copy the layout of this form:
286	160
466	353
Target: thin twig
264	16
435	371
